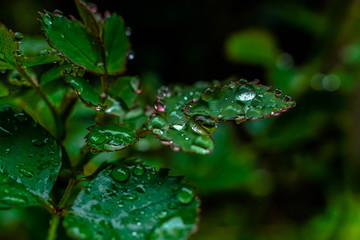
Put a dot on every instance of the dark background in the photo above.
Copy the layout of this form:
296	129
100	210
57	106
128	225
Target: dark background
291	177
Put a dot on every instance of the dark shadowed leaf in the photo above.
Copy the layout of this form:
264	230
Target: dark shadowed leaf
133	202
30	161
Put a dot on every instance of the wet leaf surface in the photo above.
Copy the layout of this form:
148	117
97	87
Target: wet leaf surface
133	202
30	161
109	138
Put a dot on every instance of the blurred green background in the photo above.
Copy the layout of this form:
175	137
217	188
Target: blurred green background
290	177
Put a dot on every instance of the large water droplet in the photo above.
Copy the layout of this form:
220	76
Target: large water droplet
139	170
245	93
48	19
120	174
158	122
207	124
96	138
232	111
185	195
208	94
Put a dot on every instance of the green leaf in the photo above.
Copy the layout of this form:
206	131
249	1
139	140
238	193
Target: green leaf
253	46
133	202
109	138
75	43
116	44
135	118
30	161
5	66
32	46
182	133
85	91
177	130
240	101
40	59
9	48
88	17
126	89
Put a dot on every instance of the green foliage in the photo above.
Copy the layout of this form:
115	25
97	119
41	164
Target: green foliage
124	202
116	198
30	160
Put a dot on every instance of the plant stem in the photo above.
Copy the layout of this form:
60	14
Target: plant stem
67	193
60	128
54	223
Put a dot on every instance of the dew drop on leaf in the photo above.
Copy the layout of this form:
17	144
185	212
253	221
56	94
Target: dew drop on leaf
208	94
120	174
26	173
19	37
139	170
245	93
162	214
48	20
231	111
185	194
14	200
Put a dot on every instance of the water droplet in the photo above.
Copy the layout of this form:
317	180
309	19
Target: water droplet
130	54
185	195
18	53
139	170
4	132
253	113
175	117
208	94
96	138
172	205
121	204
245	93
14	200
140	188
287	98
48	19
128	31
232	111
257	102
40	141
120	174
19	37
58	13
205	123
129	196
158	122
100	64
277	92
26	173
162	214
21	117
